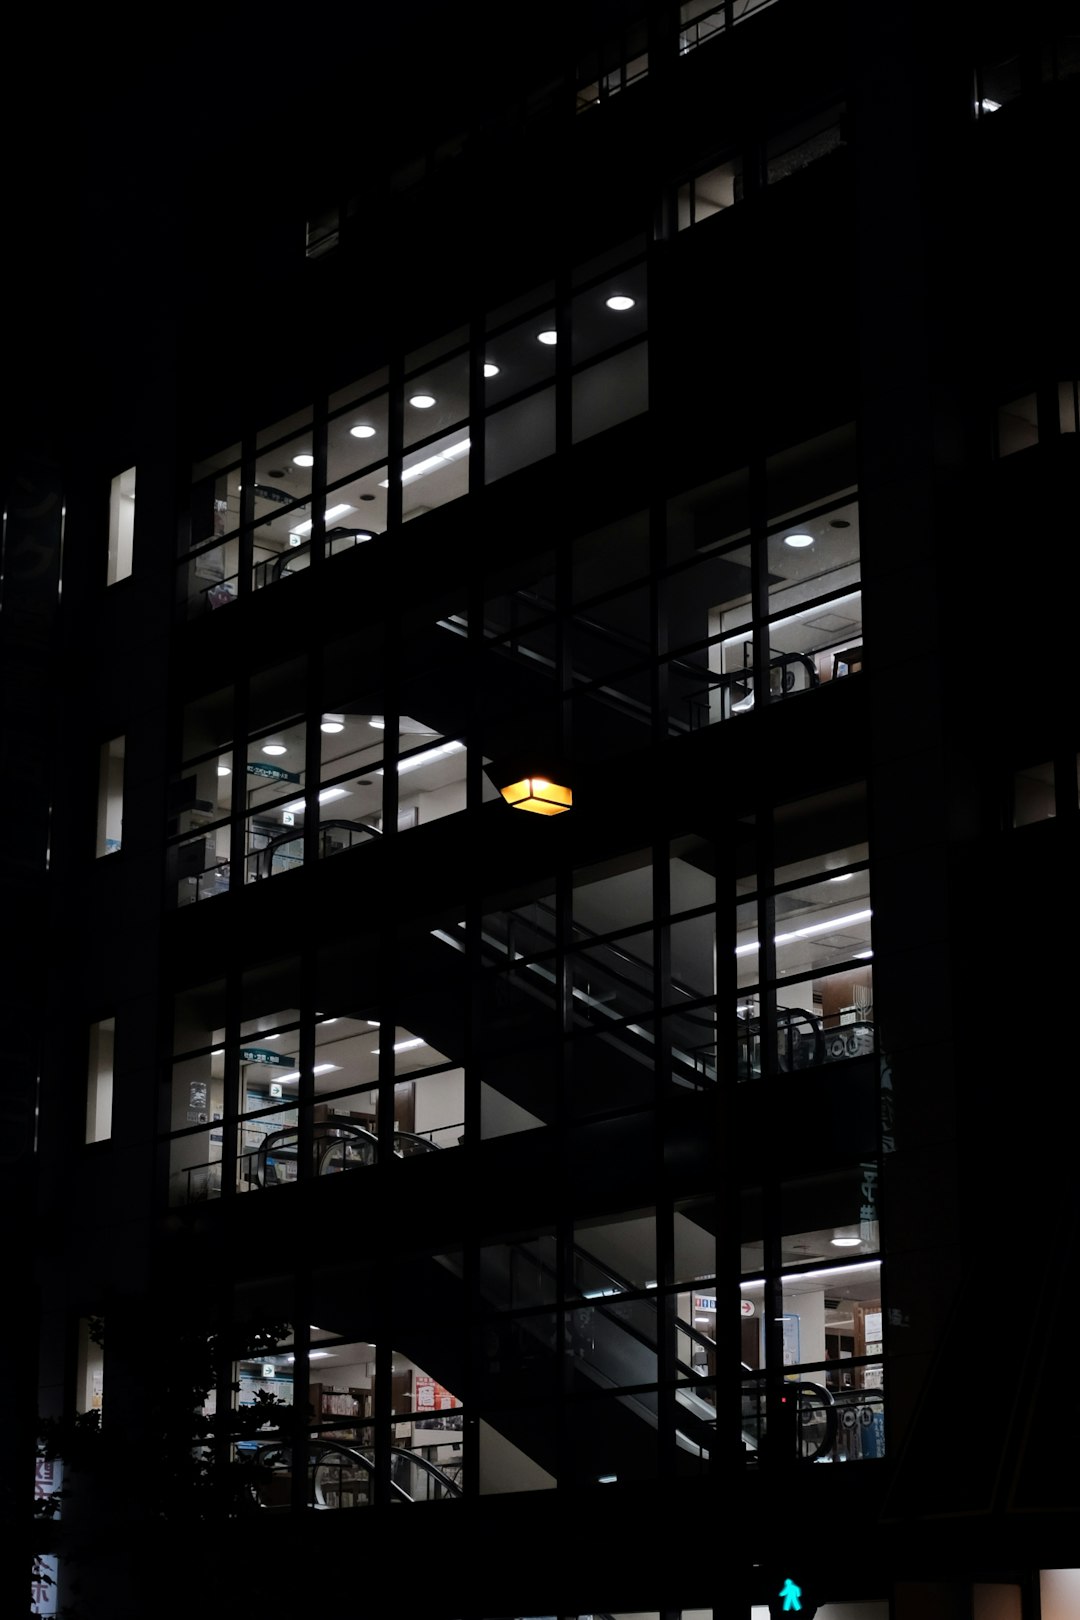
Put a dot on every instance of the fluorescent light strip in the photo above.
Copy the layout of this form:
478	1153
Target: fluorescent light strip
441	458
414	762
325	797
320	1068
809	930
819	607
329	516
403	1046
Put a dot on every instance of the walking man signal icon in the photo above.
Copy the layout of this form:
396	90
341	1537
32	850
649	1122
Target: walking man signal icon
792	1596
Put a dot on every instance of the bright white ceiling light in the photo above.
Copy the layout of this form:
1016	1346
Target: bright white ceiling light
332	724
327	796
811	929
842	877
549	336
378	722
490	370
620	302
331	515
414	762
362	430
423	402
274	748
223	770
305	460
320	1068
403	1046
430	464
845	1243
799	541
990	106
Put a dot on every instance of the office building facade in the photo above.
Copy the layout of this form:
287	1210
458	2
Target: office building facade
549	860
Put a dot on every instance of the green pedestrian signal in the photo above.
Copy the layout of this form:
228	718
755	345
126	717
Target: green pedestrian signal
788	1596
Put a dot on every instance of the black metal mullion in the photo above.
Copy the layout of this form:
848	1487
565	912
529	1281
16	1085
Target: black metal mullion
230	1099
305	1090
246	542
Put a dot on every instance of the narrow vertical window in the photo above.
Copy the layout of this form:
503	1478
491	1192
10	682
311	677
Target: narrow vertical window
89	1393
99	1081
110	811
121	525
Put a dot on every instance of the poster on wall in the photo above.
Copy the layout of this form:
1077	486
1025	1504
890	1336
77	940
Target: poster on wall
434	1405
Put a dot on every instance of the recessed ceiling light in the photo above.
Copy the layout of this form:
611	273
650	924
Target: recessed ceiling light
845	1243
332	723
548	336
274	748
378	722
362	430
490	370
305	460
403	1046
798	540
224	770
423	402
620	302
842	877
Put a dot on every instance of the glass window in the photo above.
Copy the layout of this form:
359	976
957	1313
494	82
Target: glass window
99	1081
215	498
357	436
121	525
803	144
323	232
519	435
1017	425
110	804
436	473
997	83
610	392
1033	796
520	357
699	21
436	398
1069	407
711	192
609	314
90	1374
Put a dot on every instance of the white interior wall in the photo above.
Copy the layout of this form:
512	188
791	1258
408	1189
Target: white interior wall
1059	1594
440	1101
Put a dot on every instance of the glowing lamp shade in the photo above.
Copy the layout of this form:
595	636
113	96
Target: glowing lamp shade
536	793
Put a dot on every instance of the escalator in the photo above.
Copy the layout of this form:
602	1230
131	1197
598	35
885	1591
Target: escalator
341	1476
337	1143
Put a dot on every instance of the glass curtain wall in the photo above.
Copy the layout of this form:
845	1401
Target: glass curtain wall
367	458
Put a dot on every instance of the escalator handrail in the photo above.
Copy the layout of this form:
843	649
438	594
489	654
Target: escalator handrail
627	956
292	834
319	1449
618	948
624	1287
333	1130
